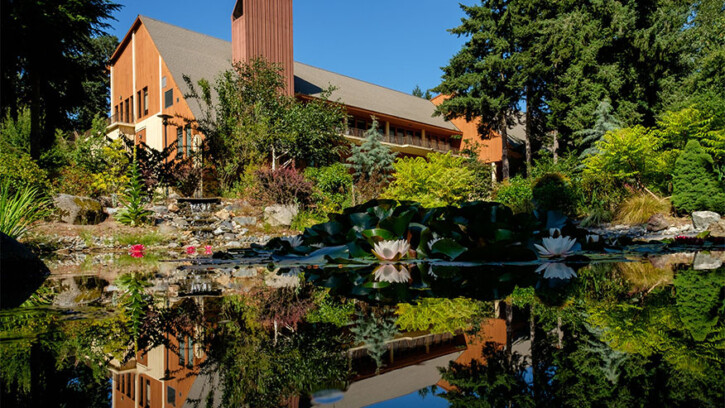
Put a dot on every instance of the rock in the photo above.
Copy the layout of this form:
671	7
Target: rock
234	244
180	222
107	201
160	209
222	214
248	272
226	226
110	210
245	220
705	261
229	236
280	215
242	232
218	231
658	222
173	208
173	245
21	272
167	228
702	219
717	229
79	210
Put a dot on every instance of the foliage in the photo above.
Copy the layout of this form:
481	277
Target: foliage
329	310
113	174
20	171
135	301
254	120
74	180
676	128
438	315
435	181
700	302
553	191
60	75
19	210
306	219
630	155
283	186
372	158
605	122
332	186
144	238
695	186
133	212
638	208
187	177
15	133
482	185
374	332
517	194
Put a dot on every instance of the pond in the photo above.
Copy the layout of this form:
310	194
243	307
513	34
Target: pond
277	326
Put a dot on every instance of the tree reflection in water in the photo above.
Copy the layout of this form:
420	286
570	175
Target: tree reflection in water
613	335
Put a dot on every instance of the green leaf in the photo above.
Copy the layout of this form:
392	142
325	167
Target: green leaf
379	234
449	248
398	224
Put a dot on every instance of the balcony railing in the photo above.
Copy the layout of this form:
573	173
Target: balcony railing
116	118
434	144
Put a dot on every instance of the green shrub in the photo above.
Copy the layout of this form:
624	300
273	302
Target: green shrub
20	209
133	212
330	311
640	207
74	180
332	186
438	315
438	180
283	186
19	170
517	194
696	187
553	191
306	219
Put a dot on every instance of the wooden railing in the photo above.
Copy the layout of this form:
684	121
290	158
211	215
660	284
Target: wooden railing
435	144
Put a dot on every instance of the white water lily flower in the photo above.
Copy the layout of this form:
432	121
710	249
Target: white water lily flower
293	241
554	232
556	270
391	251
392	273
557	247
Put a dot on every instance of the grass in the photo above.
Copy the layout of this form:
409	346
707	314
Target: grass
637	209
148	238
19	211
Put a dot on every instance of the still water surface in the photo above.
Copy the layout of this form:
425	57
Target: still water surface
136	332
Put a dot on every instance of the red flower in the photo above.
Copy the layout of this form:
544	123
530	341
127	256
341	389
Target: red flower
190	250
207	250
137	251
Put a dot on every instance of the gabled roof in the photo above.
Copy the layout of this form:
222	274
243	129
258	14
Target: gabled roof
200	56
189	53
312	81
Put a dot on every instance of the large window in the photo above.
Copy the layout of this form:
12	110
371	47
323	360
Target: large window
179	142
188	141
170	395
146	100
182	350
168	98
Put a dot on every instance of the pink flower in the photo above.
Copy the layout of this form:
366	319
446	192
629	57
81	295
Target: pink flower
137	251
207	250
190	250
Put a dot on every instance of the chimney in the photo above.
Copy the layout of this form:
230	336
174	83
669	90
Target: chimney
263	28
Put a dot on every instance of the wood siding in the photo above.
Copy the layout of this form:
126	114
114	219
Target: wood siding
264	29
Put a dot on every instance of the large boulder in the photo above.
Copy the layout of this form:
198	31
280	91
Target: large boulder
717	229
658	222
702	219
79	210
280	215
21	272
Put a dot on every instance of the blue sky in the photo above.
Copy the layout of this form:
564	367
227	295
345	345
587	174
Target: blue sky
393	43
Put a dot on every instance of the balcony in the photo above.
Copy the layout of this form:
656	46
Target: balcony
116	125
410	144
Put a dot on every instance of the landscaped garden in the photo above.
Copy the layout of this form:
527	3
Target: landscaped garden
277	264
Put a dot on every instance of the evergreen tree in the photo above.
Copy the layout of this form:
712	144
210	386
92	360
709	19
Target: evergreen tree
372	158
695	185
417	91
605	122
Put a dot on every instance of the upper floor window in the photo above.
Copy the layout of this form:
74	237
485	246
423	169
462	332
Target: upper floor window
146	100
168	98
179	145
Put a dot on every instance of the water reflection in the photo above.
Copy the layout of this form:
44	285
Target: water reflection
647	333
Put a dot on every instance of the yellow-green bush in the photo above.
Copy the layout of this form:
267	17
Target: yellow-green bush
517	194
638	208
435	181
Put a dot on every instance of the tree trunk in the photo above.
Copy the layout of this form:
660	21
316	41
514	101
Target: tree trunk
529	128
555	146
274	159
504	149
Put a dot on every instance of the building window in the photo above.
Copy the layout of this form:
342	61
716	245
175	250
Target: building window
179	142
129	386
170	395
163	82
148	393
132	113
168	98
126	113
140	390
115	114
190	353
146	100
182	352
188	141
138	108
